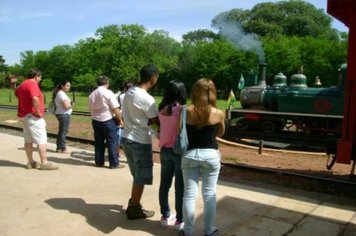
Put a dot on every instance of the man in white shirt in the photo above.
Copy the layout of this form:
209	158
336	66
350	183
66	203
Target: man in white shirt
139	112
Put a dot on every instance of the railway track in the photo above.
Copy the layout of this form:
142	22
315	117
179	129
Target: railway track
345	187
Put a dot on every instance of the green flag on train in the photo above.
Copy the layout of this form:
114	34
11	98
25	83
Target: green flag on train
241	82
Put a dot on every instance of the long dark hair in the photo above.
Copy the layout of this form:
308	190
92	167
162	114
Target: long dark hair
59	87
175	93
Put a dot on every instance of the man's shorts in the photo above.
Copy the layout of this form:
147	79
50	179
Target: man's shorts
34	129
139	158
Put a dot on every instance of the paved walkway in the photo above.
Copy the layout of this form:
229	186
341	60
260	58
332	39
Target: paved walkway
80	199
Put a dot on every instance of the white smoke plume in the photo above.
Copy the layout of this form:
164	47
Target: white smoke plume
243	40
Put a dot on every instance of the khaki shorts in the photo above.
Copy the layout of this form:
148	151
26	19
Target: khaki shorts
34	129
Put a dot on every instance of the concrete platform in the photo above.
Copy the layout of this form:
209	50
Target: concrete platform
80	199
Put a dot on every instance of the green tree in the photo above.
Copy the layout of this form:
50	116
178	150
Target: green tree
202	35
58	65
86	82
3	66
27	61
3	72
291	18
163	51
285	34
47	84
219	60
118	51
318	56
283	55
322	57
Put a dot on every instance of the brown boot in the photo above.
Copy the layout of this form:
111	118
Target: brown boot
134	212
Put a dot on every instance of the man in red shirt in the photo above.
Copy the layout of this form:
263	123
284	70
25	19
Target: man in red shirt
31	112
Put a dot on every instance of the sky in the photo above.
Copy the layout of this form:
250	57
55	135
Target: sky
42	24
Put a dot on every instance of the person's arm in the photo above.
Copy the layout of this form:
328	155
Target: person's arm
154	123
36	106
221	127
118	116
66	104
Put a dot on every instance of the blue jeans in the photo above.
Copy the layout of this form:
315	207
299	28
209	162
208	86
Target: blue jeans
139	158
105	136
171	167
204	163
63	127
118	133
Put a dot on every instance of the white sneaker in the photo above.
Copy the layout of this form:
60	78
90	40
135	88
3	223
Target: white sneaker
167	221
178	225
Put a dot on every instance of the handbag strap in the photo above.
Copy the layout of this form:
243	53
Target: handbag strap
182	118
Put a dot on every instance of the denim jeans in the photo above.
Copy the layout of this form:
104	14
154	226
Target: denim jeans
119	135
204	163
63	127
171	167
105	136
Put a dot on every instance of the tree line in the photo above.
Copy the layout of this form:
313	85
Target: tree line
286	35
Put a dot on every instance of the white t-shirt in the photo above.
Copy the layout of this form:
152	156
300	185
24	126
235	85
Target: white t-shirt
138	107
101	103
121	100
60	98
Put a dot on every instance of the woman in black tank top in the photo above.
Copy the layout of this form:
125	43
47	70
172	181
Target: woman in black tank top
202	159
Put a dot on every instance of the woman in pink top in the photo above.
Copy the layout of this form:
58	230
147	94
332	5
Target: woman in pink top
169	110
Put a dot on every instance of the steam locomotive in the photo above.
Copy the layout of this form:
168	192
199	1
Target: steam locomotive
283	112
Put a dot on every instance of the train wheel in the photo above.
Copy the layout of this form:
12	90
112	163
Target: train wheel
269	126
242	124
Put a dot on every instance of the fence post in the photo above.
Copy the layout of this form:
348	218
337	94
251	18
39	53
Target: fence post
260	147
10	97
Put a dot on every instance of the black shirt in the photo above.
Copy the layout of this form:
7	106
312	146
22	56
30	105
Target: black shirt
204	137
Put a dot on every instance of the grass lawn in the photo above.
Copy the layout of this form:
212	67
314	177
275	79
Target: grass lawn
7	97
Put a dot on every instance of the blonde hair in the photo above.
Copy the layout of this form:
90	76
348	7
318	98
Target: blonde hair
203	98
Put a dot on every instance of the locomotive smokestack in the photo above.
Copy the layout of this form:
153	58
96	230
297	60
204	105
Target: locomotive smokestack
253	96
262	74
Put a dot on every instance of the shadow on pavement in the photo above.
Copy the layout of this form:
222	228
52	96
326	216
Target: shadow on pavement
105	217
4	163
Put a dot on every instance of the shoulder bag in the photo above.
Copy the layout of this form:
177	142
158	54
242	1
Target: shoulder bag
181	144
51	108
